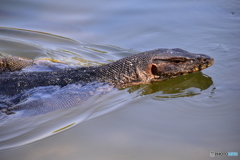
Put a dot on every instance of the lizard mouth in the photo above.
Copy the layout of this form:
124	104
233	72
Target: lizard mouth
204	63
172	69
207	63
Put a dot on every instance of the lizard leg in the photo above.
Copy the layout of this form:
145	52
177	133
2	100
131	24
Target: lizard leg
12	63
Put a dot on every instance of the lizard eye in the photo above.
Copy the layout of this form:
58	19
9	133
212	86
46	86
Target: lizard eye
173	60
178	60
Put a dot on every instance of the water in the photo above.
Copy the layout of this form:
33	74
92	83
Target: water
183	118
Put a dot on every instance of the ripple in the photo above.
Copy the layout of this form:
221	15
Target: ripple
37	44
21	131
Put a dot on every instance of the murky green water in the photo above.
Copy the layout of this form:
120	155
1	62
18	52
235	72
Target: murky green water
182	118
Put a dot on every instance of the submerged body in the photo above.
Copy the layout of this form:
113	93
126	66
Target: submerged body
63	83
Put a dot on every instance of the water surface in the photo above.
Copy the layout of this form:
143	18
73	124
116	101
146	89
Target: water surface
182	118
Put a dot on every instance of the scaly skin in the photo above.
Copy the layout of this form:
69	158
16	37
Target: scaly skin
39	92
142	68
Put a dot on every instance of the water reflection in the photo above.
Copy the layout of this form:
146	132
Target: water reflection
64	128
183	86
36	44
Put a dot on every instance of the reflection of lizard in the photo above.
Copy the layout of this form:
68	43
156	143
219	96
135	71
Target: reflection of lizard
145	67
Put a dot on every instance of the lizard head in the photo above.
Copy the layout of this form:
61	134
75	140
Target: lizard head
154	65
170	63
